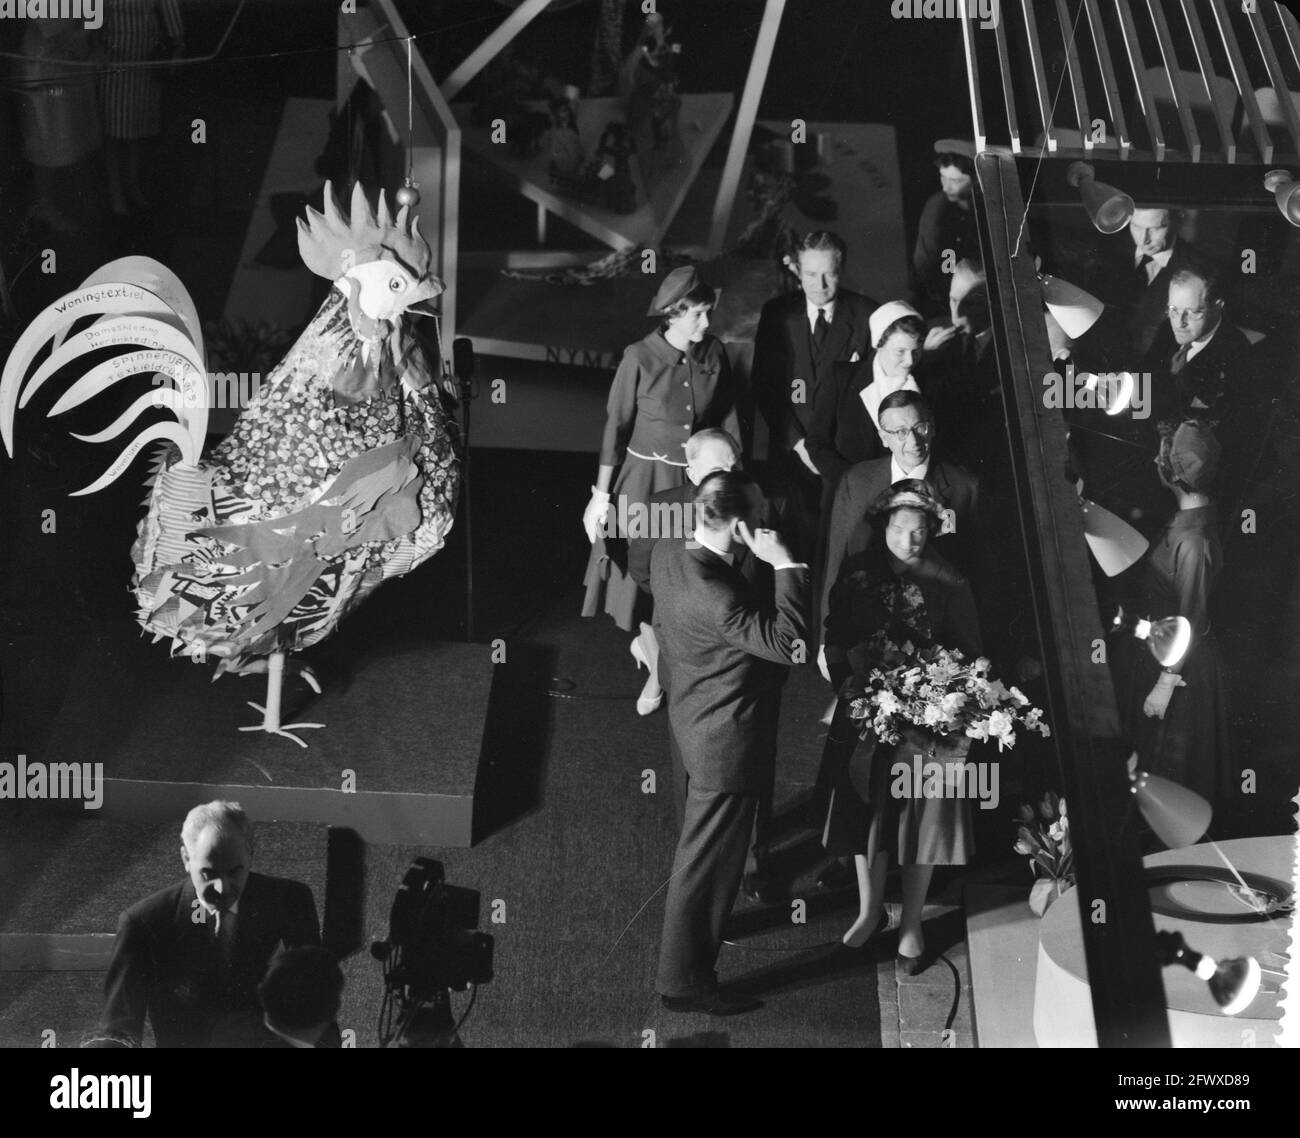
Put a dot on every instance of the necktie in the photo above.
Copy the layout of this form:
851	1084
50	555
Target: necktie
223	933
1141	271
969	357
820	329
1180	359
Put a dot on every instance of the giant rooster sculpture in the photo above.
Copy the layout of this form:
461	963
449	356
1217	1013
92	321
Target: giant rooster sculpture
340	474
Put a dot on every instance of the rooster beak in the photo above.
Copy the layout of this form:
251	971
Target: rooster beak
423	308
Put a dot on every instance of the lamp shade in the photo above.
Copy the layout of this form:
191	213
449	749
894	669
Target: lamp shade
1233	983
1114	543
1110	209
1169	638
1286	192
1177	816
1074	309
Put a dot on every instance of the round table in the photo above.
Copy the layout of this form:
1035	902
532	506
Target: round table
1063	1002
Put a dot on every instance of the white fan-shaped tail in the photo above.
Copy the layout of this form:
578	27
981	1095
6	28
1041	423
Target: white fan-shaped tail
97	300
167	397
114	332
172	432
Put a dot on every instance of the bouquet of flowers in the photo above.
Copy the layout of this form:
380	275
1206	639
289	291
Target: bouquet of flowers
1043	836
939	690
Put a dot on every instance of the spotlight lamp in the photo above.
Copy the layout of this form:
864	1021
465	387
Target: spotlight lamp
1233	983
1168	637
1286	192
1177	816
1110	209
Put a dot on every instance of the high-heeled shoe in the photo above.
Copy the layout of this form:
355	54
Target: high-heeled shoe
913	965
645	705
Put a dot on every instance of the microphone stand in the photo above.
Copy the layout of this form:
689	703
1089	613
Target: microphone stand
463	371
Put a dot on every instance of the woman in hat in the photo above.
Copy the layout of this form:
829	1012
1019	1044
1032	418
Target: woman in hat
1177	715
901	587
669	385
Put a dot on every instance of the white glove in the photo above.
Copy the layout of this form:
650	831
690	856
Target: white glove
596	513
1158	701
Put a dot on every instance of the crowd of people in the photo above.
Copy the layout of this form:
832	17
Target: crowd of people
886	425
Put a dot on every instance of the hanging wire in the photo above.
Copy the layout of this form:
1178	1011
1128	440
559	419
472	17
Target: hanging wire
410	112
1047	126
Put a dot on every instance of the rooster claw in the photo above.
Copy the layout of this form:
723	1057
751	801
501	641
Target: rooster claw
286	730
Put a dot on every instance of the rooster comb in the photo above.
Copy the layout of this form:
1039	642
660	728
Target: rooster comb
324	236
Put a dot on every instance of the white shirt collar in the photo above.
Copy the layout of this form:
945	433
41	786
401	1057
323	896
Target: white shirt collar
897	473
729	558
1158	263
811	309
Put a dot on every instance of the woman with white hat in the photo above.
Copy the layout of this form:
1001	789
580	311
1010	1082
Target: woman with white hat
845	429
672	383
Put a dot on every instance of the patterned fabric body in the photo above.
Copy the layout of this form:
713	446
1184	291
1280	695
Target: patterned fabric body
306	507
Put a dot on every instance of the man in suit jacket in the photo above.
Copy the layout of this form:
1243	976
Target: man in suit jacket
907	429
1136	274
191	956
672	513
800	336
1203	367
729	658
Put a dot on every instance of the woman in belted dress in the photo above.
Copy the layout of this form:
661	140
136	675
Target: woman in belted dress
669	385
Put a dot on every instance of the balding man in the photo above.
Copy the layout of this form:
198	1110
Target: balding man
190	957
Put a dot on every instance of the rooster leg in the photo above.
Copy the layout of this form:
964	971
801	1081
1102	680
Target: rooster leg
271	724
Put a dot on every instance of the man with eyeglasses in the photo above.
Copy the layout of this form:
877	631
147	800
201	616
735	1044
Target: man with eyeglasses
1198	355
1204	367
907	429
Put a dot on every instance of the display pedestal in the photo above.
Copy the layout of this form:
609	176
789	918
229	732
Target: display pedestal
396	762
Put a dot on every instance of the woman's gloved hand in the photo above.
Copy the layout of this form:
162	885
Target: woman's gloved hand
596	513
1158	701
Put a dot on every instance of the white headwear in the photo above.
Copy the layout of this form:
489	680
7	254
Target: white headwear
885	315
1075	310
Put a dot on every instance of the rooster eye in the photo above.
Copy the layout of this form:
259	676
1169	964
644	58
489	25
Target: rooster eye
395	284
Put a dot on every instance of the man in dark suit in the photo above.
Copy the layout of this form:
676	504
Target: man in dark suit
800	336
191	956
672	519
1203	367
907	429
729	656
1136	272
